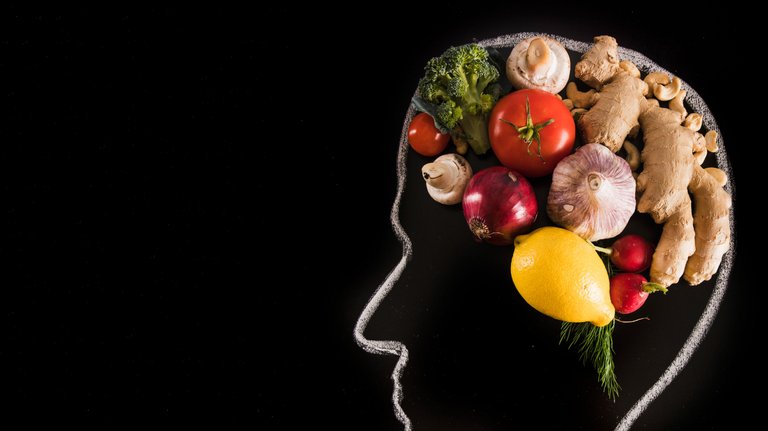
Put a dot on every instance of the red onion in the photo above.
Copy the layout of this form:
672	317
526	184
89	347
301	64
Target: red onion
498	205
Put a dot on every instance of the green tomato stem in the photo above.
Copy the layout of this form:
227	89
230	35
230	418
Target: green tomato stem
530	133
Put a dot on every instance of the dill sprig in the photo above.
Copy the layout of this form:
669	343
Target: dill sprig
596	345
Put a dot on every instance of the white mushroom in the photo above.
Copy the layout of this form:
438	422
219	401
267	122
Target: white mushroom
539	62
447	177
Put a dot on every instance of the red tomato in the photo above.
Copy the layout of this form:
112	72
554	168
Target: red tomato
531	144
424	137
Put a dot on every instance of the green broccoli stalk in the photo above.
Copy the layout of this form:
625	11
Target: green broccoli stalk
461	85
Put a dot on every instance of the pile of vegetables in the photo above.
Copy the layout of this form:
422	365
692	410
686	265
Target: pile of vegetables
593	191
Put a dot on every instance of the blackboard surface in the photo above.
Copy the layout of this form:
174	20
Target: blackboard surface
197	208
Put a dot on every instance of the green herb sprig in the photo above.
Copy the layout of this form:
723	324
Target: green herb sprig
595	345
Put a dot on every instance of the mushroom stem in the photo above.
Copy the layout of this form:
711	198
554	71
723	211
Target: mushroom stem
446	178
537	55
439	175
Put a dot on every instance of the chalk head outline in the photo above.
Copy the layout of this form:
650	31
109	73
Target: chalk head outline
704	322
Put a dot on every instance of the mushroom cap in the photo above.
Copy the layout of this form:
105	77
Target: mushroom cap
551	78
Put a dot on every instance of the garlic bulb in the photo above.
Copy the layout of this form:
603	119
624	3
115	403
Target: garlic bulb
592	193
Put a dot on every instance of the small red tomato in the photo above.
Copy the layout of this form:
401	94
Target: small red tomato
531	131
424	137
629	291
632	253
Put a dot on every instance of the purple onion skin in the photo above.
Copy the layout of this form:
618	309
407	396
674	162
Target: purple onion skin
498	205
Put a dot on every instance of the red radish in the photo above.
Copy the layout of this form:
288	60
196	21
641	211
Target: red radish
631	253
498	205
629	291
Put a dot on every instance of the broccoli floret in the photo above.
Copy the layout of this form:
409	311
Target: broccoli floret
461	83
449	114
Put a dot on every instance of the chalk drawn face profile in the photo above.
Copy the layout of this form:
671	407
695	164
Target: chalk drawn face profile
686	350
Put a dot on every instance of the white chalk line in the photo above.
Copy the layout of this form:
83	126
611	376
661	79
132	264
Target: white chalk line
395	348
702	326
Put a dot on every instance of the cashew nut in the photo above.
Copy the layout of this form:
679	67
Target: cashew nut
677	105
641	182
634	131
692	121
559	97
669	91
654	78
633	155
568	103
652	102
711	140
630	68
575	113
581	99
718	175
699	143
699	156
447	177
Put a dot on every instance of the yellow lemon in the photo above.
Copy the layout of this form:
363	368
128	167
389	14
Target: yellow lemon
561	275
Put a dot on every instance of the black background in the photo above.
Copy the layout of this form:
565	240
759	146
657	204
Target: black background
196	208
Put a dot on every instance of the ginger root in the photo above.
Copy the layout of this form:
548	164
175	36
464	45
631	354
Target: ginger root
615	113
600	63
713	231
667	163
692	246
621	97
675	246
